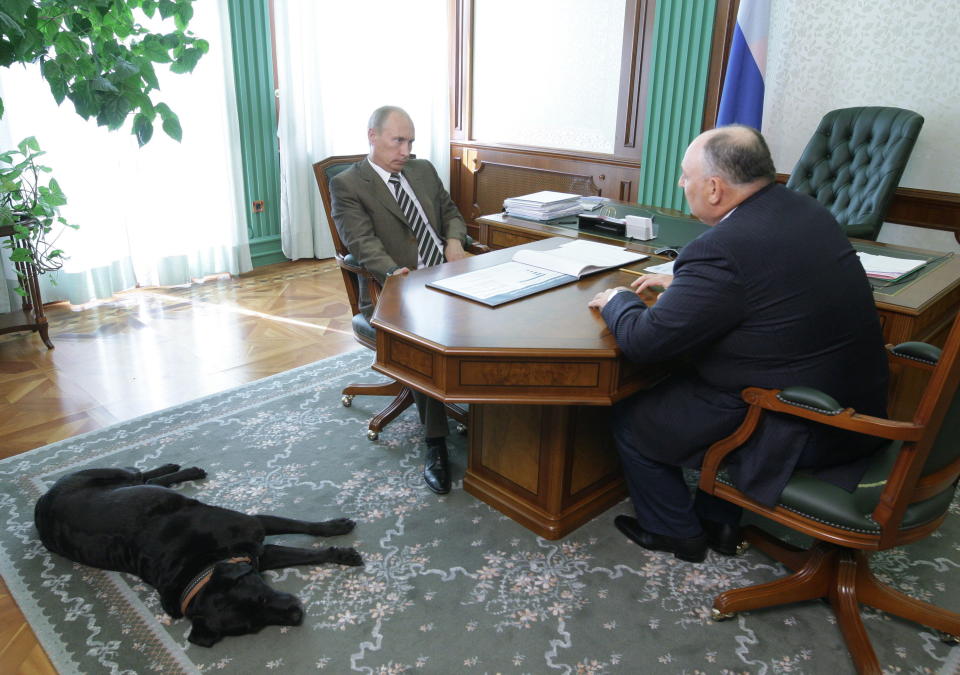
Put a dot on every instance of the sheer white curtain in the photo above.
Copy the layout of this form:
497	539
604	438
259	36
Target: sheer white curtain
162	214
337	62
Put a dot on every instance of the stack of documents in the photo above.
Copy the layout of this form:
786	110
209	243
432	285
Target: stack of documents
544	205
887	267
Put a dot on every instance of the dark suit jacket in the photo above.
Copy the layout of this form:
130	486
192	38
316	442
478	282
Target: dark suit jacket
772	296
374	228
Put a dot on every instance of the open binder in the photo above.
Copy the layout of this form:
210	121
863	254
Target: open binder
532	271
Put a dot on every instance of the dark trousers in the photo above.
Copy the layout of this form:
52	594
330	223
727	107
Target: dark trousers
433	415
664	504
662	501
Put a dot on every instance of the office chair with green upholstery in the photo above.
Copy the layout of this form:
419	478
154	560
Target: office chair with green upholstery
853	163
904	496
354	276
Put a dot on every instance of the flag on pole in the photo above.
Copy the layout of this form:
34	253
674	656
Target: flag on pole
741	101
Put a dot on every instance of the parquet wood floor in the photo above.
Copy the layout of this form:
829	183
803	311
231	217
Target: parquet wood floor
149	349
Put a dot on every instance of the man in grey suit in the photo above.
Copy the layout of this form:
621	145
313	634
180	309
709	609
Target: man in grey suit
394	215
772	295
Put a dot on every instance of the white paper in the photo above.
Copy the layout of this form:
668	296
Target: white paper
601	255
887	267
578	257
542	198
508	277
664	268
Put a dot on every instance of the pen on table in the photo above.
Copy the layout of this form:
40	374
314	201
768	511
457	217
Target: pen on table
636	273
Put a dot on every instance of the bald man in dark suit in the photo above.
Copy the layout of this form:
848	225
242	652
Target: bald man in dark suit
772	295
368	210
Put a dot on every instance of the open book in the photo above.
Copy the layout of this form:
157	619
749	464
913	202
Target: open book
531	271
577	258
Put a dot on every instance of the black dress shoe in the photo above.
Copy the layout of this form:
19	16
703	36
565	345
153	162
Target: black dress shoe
724	538
436	468
693	549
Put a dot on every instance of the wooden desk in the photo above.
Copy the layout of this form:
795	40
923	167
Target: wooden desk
539	374
922	309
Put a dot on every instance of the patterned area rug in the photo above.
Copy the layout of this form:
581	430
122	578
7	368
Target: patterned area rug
449	585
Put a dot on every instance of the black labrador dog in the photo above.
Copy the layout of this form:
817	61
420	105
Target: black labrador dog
203	560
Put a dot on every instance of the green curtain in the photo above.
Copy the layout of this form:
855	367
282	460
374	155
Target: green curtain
253	78
683	31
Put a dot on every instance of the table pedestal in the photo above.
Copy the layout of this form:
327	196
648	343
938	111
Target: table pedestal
549	467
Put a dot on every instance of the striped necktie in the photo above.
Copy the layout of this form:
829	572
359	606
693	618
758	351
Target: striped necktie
430	252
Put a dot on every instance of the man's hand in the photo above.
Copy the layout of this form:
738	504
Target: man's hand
652	281
399	271
454	250
601	299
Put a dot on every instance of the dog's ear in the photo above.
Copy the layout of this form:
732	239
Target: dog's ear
202	635
232	571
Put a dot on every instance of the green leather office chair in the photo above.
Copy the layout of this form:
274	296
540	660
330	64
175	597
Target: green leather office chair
355	276
904	496
853	164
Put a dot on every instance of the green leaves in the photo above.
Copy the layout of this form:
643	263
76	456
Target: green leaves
171	123
27	144
98	54
30	203
186	60
143	129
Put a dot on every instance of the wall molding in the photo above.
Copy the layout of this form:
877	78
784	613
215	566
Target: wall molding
553	153
478	192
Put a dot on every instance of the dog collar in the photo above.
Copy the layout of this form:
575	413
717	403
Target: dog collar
198	582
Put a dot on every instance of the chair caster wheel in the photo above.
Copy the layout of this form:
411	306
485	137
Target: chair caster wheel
462	429
373	435
346	400
717	615
948	638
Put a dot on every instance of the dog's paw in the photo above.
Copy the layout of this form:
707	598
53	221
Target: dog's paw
194	473
330	528
347	556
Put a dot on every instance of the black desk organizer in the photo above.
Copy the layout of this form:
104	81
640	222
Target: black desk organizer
598	223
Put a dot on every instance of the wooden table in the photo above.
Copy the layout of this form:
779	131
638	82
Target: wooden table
539	374
922	309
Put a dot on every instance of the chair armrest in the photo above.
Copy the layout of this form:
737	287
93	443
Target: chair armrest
796	401
807	403
476	248
811	399
916	354
351	264
473	246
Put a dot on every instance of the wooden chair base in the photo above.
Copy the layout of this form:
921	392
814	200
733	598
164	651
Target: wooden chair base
842	576
402	399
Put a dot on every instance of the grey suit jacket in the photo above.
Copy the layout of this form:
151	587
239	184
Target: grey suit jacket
372	225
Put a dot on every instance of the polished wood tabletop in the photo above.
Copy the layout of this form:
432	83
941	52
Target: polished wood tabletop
544	348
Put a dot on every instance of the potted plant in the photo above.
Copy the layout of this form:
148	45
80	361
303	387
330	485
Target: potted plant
30	210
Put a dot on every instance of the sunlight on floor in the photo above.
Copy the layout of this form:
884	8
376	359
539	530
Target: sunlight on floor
233	309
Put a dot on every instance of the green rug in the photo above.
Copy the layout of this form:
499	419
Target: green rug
449	585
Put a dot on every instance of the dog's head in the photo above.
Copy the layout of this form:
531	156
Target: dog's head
237	601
